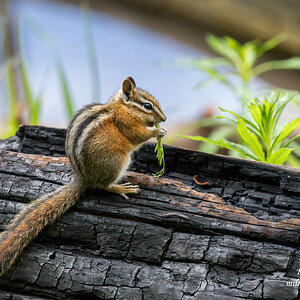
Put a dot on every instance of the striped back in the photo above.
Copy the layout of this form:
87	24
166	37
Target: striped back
79	127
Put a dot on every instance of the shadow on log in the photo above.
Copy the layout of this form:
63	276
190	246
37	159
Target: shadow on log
213	228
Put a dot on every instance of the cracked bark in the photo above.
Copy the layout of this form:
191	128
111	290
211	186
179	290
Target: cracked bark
236	238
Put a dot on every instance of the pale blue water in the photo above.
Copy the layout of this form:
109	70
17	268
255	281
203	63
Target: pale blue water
123	49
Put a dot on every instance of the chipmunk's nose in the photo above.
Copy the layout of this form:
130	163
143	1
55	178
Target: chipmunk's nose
163	118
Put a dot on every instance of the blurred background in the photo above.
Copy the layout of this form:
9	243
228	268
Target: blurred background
58	55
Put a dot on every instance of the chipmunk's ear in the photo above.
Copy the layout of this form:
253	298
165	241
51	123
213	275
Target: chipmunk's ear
128	86
131	80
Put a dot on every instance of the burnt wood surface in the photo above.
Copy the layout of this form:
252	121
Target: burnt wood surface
213	227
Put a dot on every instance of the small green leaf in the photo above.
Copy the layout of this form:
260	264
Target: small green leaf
279	156
207	61
223	143
292	140
251	140
227	118
254	128
210	69
282	102
226	47
256	114
272	43
284	64
159	155
287	130
222	132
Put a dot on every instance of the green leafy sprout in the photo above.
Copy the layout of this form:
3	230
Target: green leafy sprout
240	61
159	149
263	137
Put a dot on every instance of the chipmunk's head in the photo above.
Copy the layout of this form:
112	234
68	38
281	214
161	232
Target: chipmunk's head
141	103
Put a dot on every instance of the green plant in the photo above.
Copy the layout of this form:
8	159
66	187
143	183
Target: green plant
8	62
264	138
14	106
33	103
60	70
236	67
159	149
240	61
19	89
13	70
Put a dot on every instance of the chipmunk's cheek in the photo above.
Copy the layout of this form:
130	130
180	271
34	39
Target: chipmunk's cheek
151	120
155	119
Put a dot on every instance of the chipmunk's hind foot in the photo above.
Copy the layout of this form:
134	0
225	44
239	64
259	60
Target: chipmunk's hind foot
123	189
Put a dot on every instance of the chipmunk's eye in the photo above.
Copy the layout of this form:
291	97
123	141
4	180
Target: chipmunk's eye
147	106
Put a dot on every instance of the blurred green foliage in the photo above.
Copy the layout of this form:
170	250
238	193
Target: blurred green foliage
238	64
23	105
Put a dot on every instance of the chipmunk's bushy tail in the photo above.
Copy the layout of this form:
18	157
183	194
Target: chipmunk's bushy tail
29	222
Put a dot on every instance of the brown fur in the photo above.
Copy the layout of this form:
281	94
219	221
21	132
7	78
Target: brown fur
99	141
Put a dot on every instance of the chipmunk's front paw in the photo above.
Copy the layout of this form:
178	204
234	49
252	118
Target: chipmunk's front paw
162	132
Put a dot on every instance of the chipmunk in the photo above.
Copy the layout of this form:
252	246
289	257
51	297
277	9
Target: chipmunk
99	141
